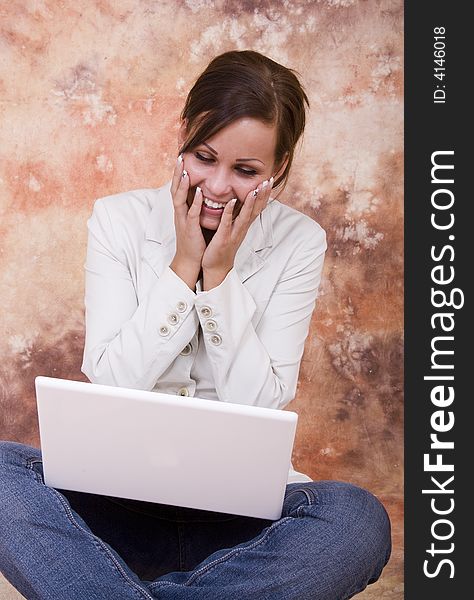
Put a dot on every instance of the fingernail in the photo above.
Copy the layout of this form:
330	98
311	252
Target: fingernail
265	183
180	159
271	180
184	173
198	190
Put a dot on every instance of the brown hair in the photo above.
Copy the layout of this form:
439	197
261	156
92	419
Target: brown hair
246	84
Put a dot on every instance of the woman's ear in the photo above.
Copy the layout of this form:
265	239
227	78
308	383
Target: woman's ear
281	166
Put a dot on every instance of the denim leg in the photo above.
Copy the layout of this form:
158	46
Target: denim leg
332	541
47	551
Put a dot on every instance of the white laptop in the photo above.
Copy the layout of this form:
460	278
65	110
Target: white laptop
155	447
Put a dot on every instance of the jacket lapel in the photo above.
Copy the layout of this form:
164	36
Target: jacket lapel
160	239
250	258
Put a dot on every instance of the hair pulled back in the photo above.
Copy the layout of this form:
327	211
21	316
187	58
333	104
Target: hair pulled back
245	83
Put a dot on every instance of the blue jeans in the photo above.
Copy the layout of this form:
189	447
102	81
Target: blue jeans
331	541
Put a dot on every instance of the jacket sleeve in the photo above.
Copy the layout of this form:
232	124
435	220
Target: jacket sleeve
130	343
260	365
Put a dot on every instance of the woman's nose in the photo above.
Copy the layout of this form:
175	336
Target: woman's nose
218	184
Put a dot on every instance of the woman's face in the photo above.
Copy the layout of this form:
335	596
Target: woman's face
229	165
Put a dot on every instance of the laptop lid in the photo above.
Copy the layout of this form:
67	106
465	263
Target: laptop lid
183	451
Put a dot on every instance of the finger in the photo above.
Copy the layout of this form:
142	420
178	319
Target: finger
225	224
262	198
181	195
255	202
178	171
194	211
247	208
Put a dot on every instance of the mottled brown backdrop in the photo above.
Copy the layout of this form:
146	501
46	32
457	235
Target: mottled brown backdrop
90	93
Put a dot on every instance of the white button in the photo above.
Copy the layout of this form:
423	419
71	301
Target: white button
210	325
183	391
186	350
206	311
216	339
181	307
164	330
173	318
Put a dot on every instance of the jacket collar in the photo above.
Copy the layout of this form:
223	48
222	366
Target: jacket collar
161	242
160	228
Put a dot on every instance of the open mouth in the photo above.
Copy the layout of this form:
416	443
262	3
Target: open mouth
213	205
212	208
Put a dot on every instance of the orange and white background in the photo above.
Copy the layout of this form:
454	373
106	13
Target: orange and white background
90	96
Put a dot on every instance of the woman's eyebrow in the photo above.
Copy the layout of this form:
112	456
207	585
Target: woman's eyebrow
211	149
247	160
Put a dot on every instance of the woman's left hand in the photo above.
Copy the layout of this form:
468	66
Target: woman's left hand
219	256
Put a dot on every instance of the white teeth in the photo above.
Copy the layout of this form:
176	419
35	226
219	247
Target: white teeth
213	204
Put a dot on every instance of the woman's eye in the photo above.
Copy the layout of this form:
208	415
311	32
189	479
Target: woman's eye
247	172
200	156
241	170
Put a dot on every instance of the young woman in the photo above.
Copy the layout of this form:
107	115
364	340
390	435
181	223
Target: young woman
204	287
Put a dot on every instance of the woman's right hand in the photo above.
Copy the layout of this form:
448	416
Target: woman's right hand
190	243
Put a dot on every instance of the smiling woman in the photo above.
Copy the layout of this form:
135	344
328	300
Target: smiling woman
240	124
204	287
223	170
223	176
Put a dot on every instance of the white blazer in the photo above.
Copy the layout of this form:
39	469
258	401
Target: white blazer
239	342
